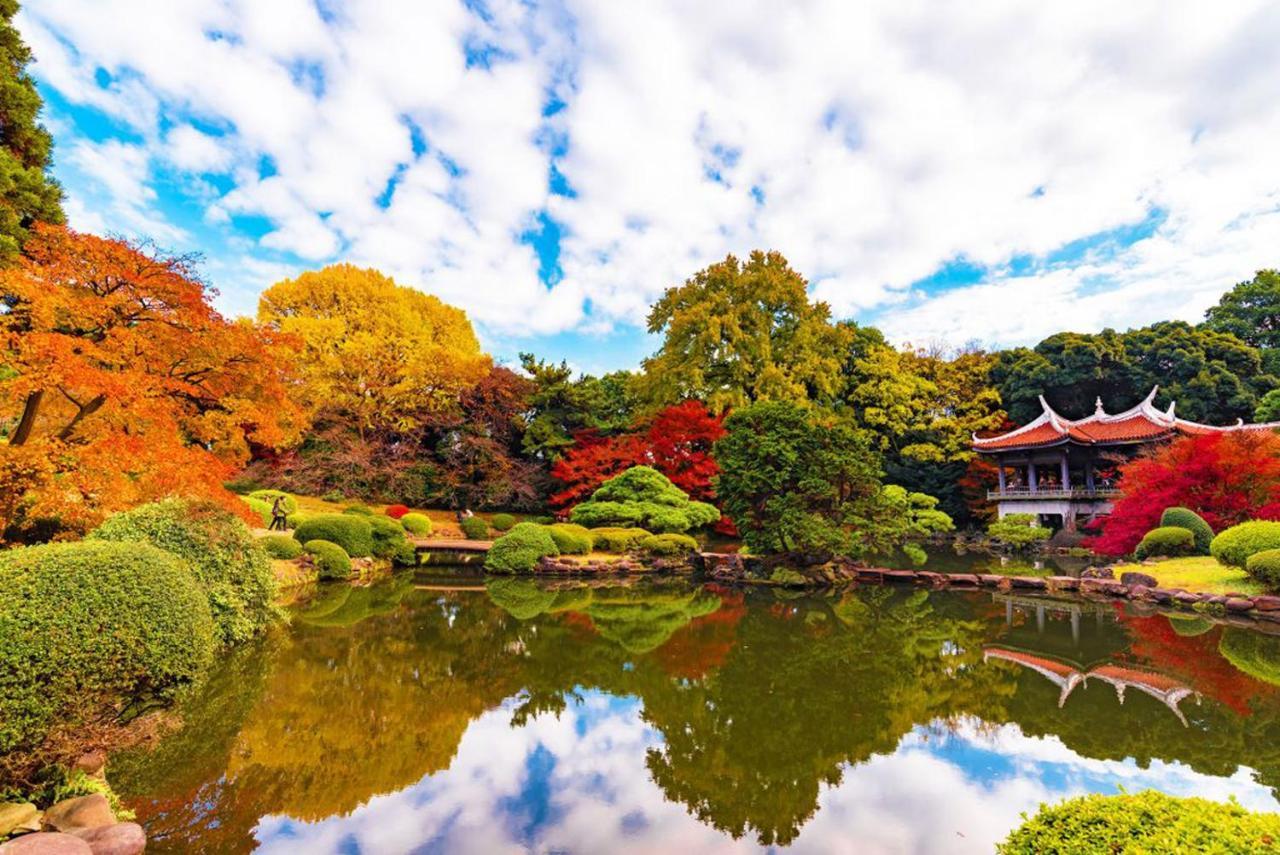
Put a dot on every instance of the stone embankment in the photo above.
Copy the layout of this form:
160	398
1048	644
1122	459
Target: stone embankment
83	825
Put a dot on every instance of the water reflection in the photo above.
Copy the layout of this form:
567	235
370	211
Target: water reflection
649	717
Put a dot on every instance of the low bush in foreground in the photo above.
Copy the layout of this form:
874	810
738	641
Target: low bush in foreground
571	539
281	546
518	550
1192	522
85	626
474	528
1265	567
1143	822
230	566
502	522
415	523
352	532
331	560
1233	546
612	539
1166	541
668	544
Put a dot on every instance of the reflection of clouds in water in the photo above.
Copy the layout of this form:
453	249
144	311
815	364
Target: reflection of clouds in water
579	784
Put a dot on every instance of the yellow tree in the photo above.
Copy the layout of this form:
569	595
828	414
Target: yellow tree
376	353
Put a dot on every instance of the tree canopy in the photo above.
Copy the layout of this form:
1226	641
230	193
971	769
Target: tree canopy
1251	312
644	497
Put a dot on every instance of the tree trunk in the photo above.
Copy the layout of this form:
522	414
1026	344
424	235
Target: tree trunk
83	413
28	422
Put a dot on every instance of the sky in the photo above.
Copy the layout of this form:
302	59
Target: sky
951	173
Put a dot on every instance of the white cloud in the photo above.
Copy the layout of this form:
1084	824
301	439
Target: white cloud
884	139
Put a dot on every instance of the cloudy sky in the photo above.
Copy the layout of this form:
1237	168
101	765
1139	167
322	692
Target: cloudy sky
955	172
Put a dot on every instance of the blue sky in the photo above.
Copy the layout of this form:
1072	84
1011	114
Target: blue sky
948	174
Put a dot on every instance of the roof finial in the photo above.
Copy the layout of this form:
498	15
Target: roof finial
1169	413
1151	396
1044	405
1097	407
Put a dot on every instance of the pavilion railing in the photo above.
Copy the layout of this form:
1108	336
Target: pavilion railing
1054	493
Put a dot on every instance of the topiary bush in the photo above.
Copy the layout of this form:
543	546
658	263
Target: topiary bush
359	510
1234	545
396	511
259	507
331	560
643	497
281	546
1164	541
90	625
352	532
1143	822
269	496
617	539
231	567
1019	531
571	539
1265	567
475	528
388	537
668	544
1192	522
518	550
502	522
415	523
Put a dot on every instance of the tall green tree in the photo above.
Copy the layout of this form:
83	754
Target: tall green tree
735	333
1251	312
27	193
561	405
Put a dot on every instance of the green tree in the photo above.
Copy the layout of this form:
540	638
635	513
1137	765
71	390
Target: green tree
1251	312
643	497
1268	408
1019	531
735	333
27	193
560	405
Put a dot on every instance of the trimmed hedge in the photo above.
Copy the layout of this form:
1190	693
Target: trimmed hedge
518	550
281	546
1192	522
396	511
416	523
1143	822
571	539
1234	545
502	522
1265	567
388	538
231	567
352	532
668	544
612	539
359	510
259	507
475	528
331	560
85	626
1166	540
269	496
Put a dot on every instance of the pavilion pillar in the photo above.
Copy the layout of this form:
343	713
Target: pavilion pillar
1066	472
1000	474
1031	475
1088	474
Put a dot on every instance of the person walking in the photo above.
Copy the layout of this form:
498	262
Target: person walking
279	516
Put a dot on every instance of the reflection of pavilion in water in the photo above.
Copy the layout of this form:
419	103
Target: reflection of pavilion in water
1086	656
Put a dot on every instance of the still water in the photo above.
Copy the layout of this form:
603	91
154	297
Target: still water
650	717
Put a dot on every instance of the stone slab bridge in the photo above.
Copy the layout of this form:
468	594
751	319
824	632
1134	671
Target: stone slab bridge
450	550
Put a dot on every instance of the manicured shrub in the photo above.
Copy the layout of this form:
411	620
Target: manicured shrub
232	569
334	496
1143	822
281	546
350	531
269	496
260	507
295	520
1166	540
1265	567
415	523
396	511
1019	531
518	550
359	510
643	496
1192	522
502	522
388	539
475	528
84	626
1234	545
542	520
571	539
617	539
331	560
668	544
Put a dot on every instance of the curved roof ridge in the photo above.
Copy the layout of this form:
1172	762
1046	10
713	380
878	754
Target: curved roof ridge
1043	418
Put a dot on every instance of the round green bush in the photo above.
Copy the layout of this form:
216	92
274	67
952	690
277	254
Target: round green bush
1192	522
1143	822
571	539
610	539
518	550
388	537
1265	567
643	497
232	569
416	523
1234	545
259	507
334	496
295	520
1166	540
331	560
281	546
359	510
475	528
502	522
85	626
352	532
269	496
668	544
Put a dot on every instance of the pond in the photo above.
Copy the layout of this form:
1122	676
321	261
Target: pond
648	717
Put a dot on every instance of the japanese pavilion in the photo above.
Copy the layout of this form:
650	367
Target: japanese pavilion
1055	466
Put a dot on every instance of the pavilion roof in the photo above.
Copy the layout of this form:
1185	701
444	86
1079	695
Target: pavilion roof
1138	424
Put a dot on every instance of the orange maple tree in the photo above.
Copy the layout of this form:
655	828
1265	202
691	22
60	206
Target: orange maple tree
120	383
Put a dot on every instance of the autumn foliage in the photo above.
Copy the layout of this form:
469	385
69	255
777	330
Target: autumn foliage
120	384
1227	478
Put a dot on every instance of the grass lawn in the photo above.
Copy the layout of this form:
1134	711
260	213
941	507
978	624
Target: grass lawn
1199	573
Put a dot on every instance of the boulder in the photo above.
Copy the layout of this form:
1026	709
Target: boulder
1266	603
1029	582
18	816
1132	578
1161	595
992	580
1098	573
123	838
1139	592
46	843
1063	583
900	575
89	811
1238	604
965	579
1187	598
